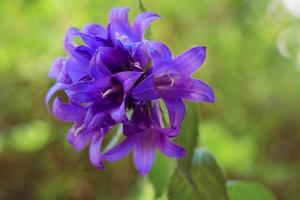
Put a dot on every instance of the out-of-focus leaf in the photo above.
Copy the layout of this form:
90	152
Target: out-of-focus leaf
243	190
189	136
2	143
208	176
236	153
161	173
143	190
206	181
30	137
147	191
181	187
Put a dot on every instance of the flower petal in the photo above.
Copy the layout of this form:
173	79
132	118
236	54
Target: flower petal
119	151
70	45
144	157
115	59
95	29
78	137
146	90
88	91
141	57
56	68
76	70
98	69
111	34
119	21
83	97
94	35
128	79
191	89
169	132
95	150
176	109
189	61
170	148
55	88
142	22
93	41
119	114
156	114
91	86
84	52
95	123
131	128
159	53
68	112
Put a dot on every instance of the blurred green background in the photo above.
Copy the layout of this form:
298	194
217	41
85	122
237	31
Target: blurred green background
253	65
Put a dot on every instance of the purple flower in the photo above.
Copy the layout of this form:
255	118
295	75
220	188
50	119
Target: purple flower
144	134
117	72
171	80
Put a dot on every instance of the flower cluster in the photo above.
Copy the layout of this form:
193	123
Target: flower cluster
116	76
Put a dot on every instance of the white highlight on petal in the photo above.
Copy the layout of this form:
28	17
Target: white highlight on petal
122	38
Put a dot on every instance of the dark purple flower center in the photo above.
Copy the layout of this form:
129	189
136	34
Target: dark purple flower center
164	81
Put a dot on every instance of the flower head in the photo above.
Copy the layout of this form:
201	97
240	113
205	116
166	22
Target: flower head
117	71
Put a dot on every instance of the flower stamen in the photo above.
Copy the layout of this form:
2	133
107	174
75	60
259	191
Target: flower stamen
172	82
137	65
109	91
78	130
122	38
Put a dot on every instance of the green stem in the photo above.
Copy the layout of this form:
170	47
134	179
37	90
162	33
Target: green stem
141	6
115	139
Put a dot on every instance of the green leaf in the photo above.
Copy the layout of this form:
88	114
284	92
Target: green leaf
115	139
206	181
146	192
245	190
235	153
189	136
208	176
161	173
181	187
142	190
